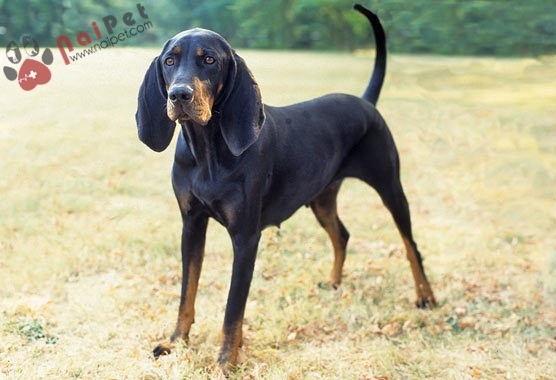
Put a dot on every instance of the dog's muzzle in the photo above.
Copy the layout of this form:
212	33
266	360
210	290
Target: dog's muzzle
190	103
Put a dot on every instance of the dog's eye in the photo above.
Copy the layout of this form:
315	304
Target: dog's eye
169	61
209	60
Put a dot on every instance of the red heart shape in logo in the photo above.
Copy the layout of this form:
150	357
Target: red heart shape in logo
32	73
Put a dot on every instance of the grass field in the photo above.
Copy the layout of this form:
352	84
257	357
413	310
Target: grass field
89	232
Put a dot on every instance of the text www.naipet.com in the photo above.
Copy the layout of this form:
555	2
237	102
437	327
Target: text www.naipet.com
110	22
112	41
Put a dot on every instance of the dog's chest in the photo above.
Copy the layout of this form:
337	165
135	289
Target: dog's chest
218	204
219	195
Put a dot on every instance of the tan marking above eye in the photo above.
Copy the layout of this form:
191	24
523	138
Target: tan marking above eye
200	52
176	50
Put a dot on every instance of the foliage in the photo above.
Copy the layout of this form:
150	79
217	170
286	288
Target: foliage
32	330
496	27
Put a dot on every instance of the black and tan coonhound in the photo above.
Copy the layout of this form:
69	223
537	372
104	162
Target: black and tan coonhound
250	165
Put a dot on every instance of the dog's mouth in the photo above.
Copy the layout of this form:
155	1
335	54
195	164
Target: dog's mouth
197	112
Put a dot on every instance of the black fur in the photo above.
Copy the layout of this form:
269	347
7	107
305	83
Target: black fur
249	165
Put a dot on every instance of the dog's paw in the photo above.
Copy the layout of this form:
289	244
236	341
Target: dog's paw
424	302
332	284
328	285
32	72
162	349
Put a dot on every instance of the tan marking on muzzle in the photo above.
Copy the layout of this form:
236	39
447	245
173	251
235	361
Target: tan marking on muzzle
203	100
199	109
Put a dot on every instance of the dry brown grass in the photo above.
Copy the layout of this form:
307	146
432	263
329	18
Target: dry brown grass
89	232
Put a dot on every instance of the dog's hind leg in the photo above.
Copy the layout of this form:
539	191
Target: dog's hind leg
394	199
376	162
325	209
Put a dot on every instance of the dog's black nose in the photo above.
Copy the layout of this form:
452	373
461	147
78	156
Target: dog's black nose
179	94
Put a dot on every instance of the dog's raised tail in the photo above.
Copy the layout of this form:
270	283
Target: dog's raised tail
373	89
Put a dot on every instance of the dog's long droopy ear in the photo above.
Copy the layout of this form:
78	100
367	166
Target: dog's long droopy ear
155	128
242	113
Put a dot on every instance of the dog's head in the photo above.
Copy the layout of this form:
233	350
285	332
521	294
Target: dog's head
198	78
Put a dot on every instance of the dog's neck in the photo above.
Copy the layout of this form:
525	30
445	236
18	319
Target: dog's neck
206	144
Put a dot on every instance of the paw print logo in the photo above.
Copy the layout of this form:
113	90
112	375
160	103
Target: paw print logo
32	72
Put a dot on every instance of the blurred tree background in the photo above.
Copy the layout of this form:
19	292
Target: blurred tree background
452	27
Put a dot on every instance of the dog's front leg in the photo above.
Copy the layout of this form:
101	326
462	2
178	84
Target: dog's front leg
245	246
192	252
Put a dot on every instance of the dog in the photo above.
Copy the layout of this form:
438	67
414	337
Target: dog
249	165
